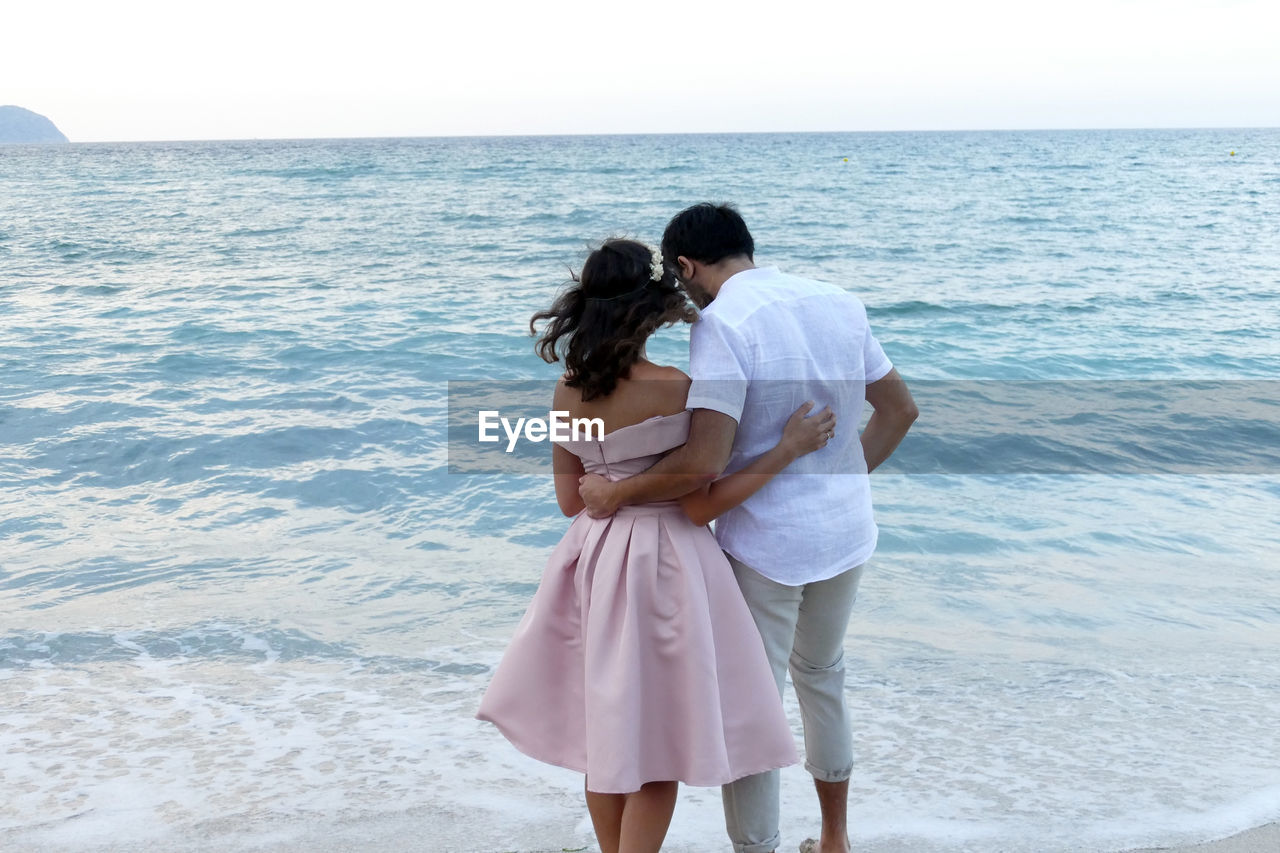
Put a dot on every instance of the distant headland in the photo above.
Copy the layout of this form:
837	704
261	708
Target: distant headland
19	125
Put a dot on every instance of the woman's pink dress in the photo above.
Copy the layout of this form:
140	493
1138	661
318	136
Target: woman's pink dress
637	660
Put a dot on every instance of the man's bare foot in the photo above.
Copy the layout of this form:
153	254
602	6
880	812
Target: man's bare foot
814	845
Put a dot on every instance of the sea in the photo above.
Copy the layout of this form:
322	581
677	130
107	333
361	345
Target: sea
246	603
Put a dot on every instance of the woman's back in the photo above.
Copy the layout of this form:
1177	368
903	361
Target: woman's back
632	449
648	390
643	419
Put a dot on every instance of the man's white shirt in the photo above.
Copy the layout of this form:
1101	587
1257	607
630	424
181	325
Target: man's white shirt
765	345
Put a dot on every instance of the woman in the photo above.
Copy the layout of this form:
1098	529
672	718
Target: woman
637	662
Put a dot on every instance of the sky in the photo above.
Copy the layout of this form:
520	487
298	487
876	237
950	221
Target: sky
147	70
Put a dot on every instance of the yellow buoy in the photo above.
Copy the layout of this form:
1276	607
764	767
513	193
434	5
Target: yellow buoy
847	159
1233	153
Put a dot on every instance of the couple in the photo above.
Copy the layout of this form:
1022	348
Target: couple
654	652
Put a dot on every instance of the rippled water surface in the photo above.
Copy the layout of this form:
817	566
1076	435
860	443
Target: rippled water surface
242	597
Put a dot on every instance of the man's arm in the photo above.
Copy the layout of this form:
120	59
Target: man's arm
692	465
802	434
894	412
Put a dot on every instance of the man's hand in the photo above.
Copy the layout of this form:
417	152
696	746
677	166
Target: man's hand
600	495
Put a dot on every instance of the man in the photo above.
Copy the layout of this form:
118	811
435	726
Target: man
765	343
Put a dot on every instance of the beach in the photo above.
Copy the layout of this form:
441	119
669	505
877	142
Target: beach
1263	839
429	830
249	603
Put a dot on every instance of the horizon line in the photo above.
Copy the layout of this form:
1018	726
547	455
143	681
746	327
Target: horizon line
656	133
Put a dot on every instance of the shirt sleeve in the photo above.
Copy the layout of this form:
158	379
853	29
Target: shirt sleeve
718	360
875	364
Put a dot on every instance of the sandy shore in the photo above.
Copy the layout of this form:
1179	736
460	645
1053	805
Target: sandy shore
410	834
1264	839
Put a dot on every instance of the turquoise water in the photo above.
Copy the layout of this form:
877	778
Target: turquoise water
239	586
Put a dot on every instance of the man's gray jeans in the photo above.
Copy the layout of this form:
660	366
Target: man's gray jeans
803	628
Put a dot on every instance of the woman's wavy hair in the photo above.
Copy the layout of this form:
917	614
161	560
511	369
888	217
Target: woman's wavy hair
600	323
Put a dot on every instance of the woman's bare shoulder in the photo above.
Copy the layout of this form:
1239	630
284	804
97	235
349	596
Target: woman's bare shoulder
660	372
676	374
665	386
565	395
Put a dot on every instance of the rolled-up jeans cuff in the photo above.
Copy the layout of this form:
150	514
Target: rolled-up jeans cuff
760	846
829	775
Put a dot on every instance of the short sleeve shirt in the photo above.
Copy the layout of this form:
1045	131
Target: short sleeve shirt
765	345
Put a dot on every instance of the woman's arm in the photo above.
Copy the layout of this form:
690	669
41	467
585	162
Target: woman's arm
568	470
801	435
565	465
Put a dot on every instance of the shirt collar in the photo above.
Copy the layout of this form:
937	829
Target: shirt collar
745	275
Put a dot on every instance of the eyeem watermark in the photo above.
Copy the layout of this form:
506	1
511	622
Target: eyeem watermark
966	427
557	427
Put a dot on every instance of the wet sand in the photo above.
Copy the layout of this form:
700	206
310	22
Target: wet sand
424	832
1263	839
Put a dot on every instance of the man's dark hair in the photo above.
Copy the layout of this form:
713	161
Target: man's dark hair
707	233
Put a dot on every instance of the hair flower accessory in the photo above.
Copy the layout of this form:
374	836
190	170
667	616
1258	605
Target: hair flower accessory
655	266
